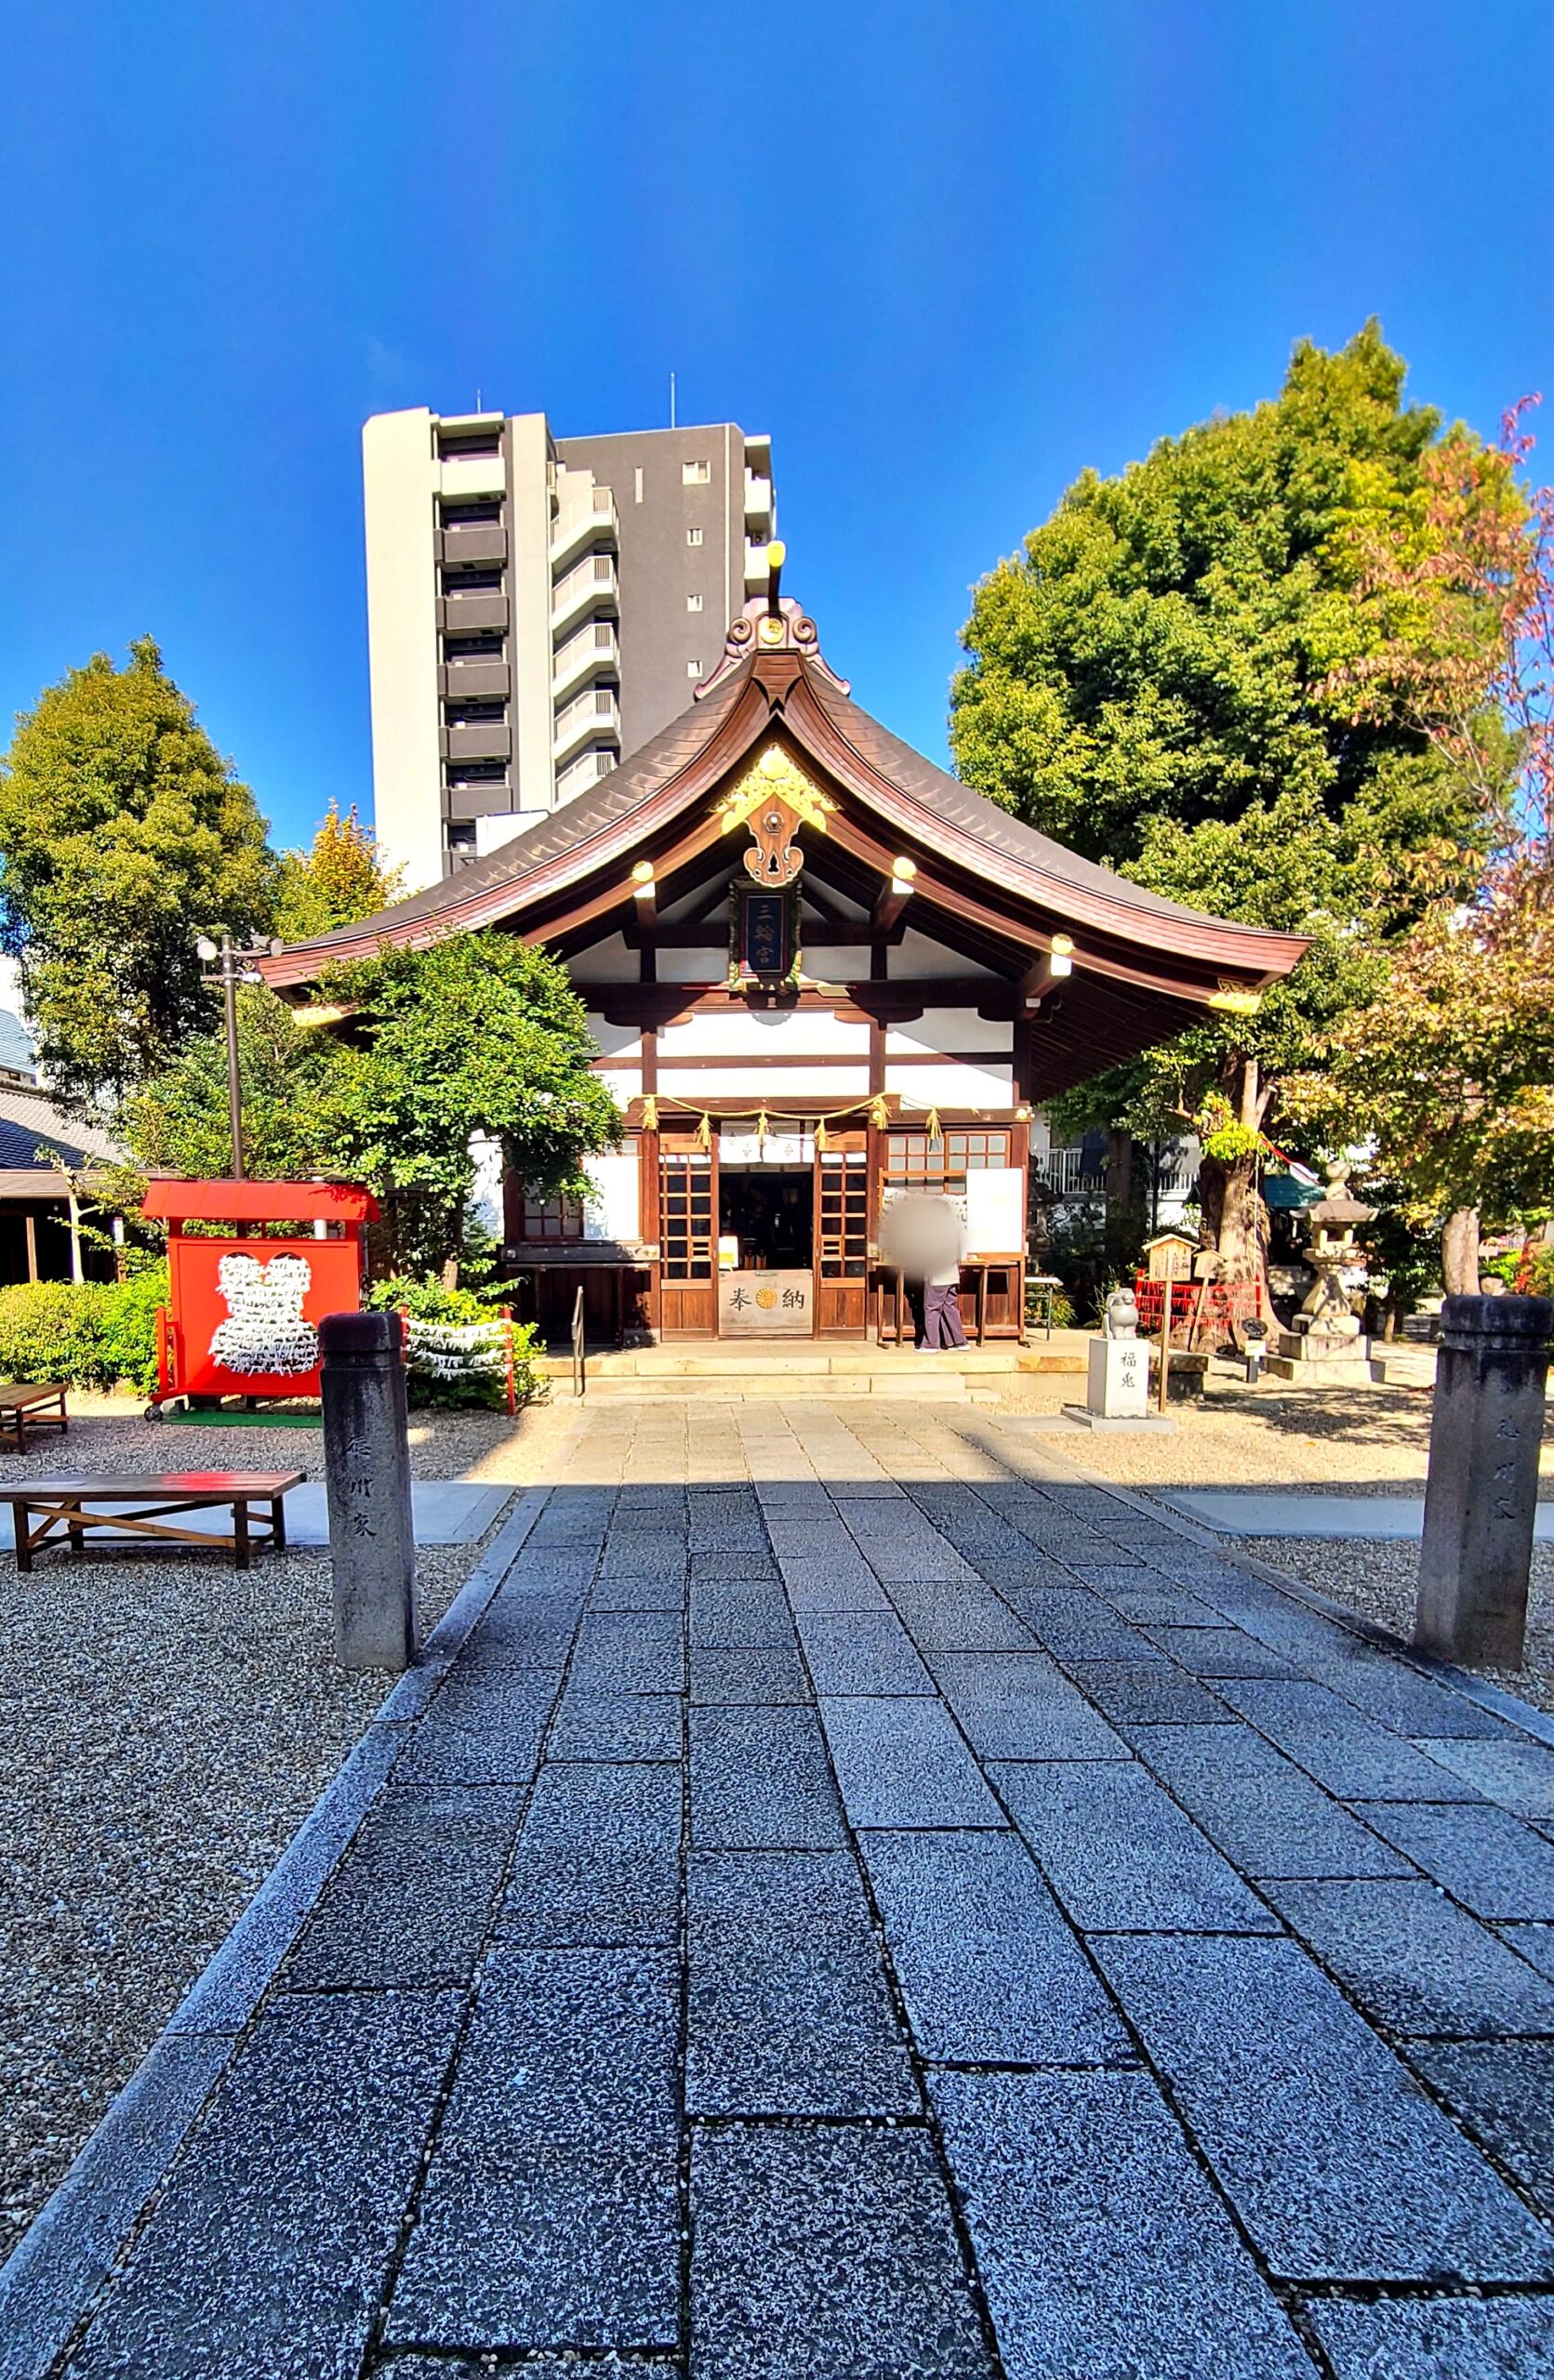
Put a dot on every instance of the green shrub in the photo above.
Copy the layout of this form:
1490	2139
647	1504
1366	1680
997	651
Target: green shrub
428	1301
54	1330
129	1326
91	1334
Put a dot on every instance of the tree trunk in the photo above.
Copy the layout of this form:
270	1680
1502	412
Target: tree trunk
1459	1254
1232	1209
450	1261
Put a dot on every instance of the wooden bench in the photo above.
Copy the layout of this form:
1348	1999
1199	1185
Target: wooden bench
30	1401
141	1507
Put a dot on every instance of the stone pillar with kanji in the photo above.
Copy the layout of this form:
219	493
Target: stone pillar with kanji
1481	1499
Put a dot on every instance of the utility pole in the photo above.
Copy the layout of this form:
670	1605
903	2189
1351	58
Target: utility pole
226	968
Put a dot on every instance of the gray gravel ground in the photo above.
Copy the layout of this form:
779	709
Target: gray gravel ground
165	1727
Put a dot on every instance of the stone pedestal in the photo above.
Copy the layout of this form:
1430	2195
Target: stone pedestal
1117	1388
1321	1358
1486	1425
366	1460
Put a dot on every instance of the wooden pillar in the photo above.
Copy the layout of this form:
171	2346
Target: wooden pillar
29	1224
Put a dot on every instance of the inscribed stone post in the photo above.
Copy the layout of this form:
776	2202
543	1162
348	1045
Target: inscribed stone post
366	1457
1486	1427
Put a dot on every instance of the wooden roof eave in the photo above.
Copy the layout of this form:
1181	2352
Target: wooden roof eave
1253	952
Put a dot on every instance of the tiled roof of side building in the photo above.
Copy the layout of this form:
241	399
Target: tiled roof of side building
30	1120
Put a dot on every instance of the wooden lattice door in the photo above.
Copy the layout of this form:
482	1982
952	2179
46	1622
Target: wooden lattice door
842	1236
687	1237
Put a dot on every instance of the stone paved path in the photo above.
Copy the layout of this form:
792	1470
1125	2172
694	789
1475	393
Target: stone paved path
866	1903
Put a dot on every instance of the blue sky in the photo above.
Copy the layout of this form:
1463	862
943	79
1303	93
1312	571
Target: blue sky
947	255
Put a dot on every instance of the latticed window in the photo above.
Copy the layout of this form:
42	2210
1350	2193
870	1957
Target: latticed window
912	1158
844	1214
552	1218
685	1215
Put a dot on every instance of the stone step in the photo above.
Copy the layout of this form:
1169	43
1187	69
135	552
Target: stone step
736	1388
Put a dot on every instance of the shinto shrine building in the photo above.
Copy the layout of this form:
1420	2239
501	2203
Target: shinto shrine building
818	969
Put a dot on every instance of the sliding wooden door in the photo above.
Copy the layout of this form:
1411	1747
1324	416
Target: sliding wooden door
687	1237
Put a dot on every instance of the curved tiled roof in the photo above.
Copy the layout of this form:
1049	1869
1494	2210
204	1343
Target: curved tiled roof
912	796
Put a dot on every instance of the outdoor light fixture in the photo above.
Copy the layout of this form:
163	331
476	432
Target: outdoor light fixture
1062	960
903	876
206	950
641	880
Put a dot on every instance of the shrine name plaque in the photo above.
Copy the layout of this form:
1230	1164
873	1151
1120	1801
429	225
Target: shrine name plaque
761	1304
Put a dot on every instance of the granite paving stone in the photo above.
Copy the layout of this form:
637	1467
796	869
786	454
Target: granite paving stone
550	2212
412	1902
598	1857
770	1673
1119	1853
1218	1652
1504	2092
943	1616
1340	1747
1007	1572
1078	1626
1104	2251
861	1652
827	2251
1416	1962
265	2254
761	1780
1534	1942
617	1726
1437	2338
1518	1775
990	1972
1391	1691
901	1762
1338	2166
843	1582
485	1728
734	1570
639	1590
1019	1706
1158	1605
525	1631
1494	1864
628	1652
1149	1694
789	2013
1265	1814
728	1617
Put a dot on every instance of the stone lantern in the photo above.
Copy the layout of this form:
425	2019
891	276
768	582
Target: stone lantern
1326	1344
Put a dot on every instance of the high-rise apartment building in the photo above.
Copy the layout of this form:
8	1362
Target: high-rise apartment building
536	606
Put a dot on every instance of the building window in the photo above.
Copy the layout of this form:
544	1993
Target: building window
452	445
693	536
697	474
461	835
639	482
471	515
693	668
470	582
693	602
914	1162
550	1218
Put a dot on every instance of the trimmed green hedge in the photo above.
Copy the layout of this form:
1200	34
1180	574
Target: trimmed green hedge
92	1334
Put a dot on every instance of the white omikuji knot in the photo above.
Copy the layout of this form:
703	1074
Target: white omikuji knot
264	1330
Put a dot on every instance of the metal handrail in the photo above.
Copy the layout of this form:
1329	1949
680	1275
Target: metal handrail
579	1351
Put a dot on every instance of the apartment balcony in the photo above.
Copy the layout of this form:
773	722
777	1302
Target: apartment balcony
585	771
594	652
594	523
485	739
483	679
591	585
758	501
593	718
465	545
492	797
461	615
466	478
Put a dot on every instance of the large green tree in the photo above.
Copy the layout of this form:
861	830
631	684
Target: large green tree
122	830
1158	679
339	879
478	1035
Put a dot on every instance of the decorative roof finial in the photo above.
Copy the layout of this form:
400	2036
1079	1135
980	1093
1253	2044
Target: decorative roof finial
777	554
770	623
